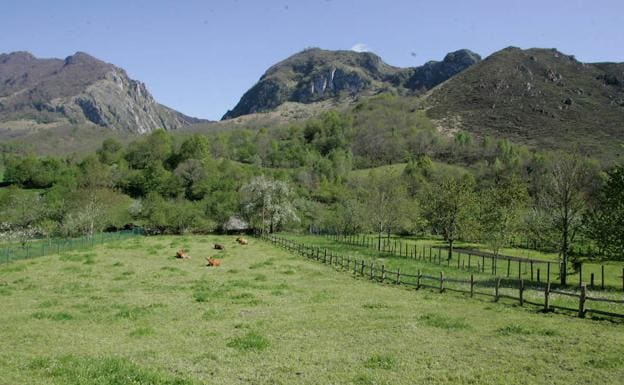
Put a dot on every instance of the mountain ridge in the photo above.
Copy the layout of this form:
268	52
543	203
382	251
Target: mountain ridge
314	75
537	96
80	89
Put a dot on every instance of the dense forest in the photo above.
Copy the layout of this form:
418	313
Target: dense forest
381	167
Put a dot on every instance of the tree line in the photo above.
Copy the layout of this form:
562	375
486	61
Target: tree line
317	173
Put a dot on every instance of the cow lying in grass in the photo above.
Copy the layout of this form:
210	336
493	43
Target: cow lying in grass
213	262
181	254
242	241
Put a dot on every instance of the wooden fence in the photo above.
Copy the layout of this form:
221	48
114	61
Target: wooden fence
536	270
496	289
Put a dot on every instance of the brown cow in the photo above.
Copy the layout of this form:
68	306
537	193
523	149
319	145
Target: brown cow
219	246
213	262
181	254
242	241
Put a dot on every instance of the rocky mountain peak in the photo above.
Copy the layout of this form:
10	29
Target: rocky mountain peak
80	89
314	75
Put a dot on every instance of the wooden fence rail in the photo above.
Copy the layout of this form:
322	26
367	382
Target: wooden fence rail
440	283
475	260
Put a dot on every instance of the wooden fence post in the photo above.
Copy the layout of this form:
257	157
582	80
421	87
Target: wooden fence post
383	273
548	272
418	279
602	277
441	281
546	298
531	270
362	268
508	266
471	285
582	299
521	292
398	279
538	275
591	285
580	274
372	266
496	289
355	266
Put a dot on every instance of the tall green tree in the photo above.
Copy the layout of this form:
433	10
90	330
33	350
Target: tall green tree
501	207
450	207
564	197
605	223
385	199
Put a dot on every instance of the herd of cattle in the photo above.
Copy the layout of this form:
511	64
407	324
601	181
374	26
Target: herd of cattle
183	254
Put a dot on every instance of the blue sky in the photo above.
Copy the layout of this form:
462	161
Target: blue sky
199	57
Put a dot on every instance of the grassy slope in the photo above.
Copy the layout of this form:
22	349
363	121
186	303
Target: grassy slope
537	97
266	317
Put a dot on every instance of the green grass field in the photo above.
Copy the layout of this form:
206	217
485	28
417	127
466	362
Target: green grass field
130	313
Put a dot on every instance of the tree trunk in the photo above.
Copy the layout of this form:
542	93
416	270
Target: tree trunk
564	255
379	242
450	250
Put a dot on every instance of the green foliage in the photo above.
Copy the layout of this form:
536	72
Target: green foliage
606	221
450	207
501	207
177	216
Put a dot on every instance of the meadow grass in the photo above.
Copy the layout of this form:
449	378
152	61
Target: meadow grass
267	316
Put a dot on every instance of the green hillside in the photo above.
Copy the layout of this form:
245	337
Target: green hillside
538	97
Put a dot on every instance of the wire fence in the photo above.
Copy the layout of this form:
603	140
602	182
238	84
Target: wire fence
39	248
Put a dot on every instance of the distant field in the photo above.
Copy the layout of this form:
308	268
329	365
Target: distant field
129	312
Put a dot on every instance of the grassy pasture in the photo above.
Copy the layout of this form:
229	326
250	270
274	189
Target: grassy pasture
128	312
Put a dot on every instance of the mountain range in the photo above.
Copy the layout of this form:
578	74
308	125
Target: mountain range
539	97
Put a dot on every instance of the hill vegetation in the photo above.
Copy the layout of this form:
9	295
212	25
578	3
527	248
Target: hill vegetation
538	97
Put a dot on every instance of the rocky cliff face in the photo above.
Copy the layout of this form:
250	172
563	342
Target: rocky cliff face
315	75
80	89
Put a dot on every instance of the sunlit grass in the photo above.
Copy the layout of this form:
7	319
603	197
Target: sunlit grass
267	316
